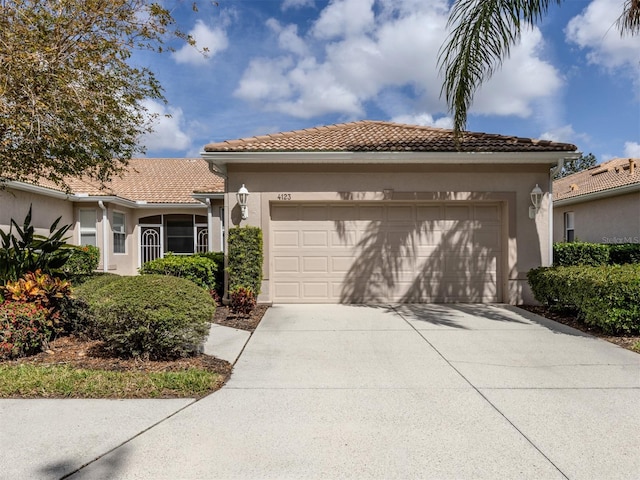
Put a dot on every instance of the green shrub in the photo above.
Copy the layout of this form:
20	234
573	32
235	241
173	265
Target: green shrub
76	310
25	329
580	253
23	251
83	261
245	258
218	258
606	296
622	253
201	270
151	316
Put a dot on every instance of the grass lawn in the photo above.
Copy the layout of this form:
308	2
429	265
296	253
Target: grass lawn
74	367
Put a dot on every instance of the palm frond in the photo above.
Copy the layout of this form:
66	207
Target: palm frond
483	32
629	21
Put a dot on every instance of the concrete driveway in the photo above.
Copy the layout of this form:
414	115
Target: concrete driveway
414	391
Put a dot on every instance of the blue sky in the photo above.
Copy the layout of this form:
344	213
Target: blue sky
279	65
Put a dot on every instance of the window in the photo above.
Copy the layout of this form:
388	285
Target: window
179	233
88	227
119	232
569	231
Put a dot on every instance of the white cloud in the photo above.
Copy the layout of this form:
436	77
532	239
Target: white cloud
288	38
358	55
632	149
424	119
595	30
167	128
523	79
213	39
344	18
287	4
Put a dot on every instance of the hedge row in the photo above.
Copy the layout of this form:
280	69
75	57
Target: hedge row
594	254
606	295
245	259
203	270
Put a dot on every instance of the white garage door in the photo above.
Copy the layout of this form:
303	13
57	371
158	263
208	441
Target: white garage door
384	252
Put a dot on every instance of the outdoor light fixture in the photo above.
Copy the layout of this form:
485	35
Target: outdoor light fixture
536	200
243	196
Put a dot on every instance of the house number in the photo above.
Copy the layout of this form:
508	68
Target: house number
284	196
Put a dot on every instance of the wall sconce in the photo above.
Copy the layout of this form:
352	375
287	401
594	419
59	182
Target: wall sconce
387	193
243	196
536	201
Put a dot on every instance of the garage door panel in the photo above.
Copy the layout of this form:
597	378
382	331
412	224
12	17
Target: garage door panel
282	213
285	238
400	213
286	264
315	239
370	213
485	214
314	213
286	290
344	238
386	253
315	265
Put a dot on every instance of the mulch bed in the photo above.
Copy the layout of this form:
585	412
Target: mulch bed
627	342
89	354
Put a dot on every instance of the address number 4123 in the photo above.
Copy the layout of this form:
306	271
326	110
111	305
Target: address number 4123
284	196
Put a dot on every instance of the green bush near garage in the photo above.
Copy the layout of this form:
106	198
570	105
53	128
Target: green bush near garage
605	296
580	253
157	317
245	257
622	253
201	269
566	254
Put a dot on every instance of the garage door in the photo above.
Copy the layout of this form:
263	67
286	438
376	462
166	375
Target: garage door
385	252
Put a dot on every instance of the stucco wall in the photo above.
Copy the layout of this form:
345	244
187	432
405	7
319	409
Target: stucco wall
15	204
526	242
605	220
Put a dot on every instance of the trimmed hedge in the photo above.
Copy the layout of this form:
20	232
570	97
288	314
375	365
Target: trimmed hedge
580	253
606	296
218	258
245	259
200	269
152	316
622	253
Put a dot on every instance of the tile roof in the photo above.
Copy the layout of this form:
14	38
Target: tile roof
612	174
378	136
154	180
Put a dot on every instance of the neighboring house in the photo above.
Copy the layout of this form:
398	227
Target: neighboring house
374	212
158	205
600	205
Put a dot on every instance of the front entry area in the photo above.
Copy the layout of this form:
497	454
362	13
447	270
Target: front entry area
376	252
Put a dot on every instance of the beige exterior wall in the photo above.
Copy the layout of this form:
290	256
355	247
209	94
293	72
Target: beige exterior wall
526	242
604	220
15	204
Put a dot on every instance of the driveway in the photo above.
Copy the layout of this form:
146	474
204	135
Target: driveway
414	391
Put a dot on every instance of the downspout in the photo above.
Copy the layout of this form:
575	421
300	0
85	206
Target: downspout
105	243
554	171
209	225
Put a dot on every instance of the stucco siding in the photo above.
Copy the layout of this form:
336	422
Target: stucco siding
604	220
525	241
15	204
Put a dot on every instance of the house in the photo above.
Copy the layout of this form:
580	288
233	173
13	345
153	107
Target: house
599	205
374	212
158	205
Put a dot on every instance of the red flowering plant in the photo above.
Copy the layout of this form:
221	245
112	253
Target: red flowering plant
25	329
